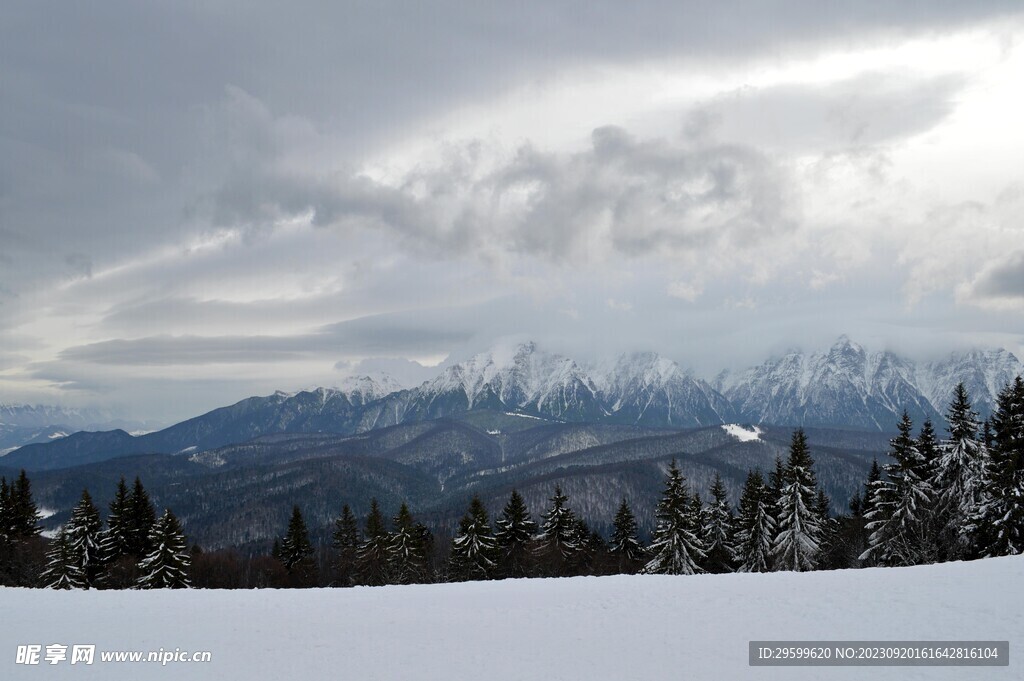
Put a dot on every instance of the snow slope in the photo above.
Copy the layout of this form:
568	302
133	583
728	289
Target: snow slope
598	629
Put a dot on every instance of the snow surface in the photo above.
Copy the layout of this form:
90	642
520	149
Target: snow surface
598	629
742	434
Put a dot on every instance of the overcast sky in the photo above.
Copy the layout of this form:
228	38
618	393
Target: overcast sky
201	201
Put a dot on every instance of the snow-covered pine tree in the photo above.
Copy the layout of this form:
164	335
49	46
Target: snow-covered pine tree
372	555
295	549
473	548
676	547
718	531
167	564
797	545
958	481
345	543
515	530
1001	518
83	531
755	526
558	539
899	520
63	570
589	557
406	557
625	546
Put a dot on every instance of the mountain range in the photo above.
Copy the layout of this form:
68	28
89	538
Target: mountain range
844	386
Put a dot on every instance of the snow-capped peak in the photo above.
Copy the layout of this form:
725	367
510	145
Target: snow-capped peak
362	389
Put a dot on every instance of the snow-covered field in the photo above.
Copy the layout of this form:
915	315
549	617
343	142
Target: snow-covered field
608	628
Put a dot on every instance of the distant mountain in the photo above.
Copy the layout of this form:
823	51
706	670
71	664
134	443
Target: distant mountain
645	388
846	386
983	373
41	416
842	387
22	424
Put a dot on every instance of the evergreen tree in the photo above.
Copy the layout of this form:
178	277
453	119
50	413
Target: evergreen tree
140	520
295	550
346	544
676	549
755	525
167	564
559	538
625	546
372	555
718	531
6	512
515	529
24	515
831	552
799	525
958	480
406	554
1000	519
63	569
776	482
116	540
899	522
83	533
474	548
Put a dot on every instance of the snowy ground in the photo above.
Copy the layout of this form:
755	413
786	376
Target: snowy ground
609	628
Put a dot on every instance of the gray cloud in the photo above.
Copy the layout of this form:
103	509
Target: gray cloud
155	160
1000	282
864	111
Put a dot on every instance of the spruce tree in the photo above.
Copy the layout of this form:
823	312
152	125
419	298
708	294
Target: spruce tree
140	520
1000	520
625	546
405	551
6	513
24	515
167	564
676	547
116	540
346	544
515	530
372	556
776	481
473	548
900	522
295	550
958	480
797	543
63	569
718	531
755	525
83	531
559	538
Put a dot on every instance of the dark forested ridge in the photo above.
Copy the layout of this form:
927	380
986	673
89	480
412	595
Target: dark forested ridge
239	495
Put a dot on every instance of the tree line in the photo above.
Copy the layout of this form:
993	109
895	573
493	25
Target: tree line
961	497
135	549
